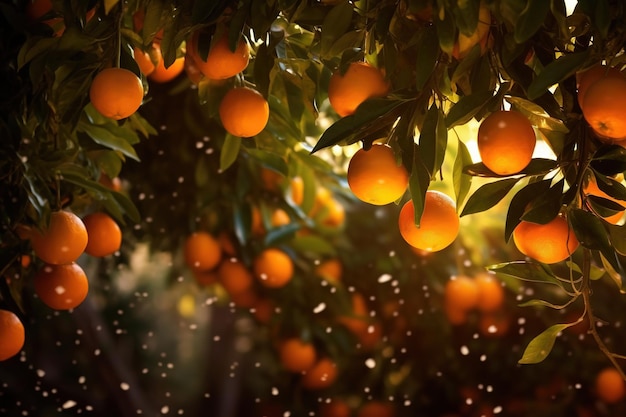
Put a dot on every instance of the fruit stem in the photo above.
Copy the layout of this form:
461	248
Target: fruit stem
586	293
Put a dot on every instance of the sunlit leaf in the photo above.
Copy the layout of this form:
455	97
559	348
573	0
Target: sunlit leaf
555	72
313	244
418	185
530	20
462	182
488	196
466	108
540	347
548	206
335	24
520	202
427	55
526	271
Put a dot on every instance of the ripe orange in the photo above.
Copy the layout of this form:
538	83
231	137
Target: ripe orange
104	235
226	243
587	78
591	188
490	293
330	269
297	355
61	287
116	93
360	82
358	320
376	409
604	108
439	225
335	408
63	241
144	61
548	243
610	386
162	74
454	314
202	251
335	213
506	141
296	185
234	276
244	112
221	62
322	375
280	218
464	43
12	335
273	268
461	292
375	177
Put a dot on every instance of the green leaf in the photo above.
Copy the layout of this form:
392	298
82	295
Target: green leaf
555	72
127	205
313	244
109	5
445	31
281	234
526	271
520	201
602	18
618	238
461	181
544	303
609	160
537	115
548	206
488	196
102	135
466	108
418	185
540	347
230	151
427	55
530	20
428	139
335	24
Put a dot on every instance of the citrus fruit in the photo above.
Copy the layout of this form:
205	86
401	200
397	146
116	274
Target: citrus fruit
610	386
273	268
494	324
104	235
161	74
296	187
12	335
280	218
330	269
360	82
335	213
63	241
205	278
322	375
234	276
37	8
439	224
506	142
297	355
548	243
335	408
244	112
221	61
586	78
465	43
144	61
116	93
374	175
461	292
61	287
604	108
490	293
202	251
591	188
357	320
455	315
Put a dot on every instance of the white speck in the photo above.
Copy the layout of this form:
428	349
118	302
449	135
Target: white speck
319	308
370	363
41	373
68	404
464	350
384	278
165	409
124	386
274	391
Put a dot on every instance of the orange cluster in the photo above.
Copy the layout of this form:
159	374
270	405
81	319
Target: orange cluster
483	293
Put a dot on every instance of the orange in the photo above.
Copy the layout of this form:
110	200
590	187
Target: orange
63	241
360	82
465	43
506	142
587	78
104	235
604	108
271	179
61	287
296	185
376	409
330	269
490	293
221	61
263	309
610	386
455	315
273	268
244	112
144	61
12	335
114	184
322	375
548	243
297	355
439	224
116	93
375	176
202	251
494	324
191	69
335	408
234	276
592	188
37	8
461	292
244	299
370	337
162	74
335	214
280	218
358	321
227	244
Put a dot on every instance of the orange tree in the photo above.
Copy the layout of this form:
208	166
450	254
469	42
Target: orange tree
431	68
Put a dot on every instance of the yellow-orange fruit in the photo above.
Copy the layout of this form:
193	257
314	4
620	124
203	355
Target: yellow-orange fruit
360	82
